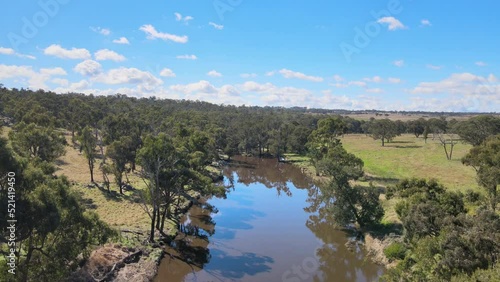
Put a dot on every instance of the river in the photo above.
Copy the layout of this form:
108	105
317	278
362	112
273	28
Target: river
266	230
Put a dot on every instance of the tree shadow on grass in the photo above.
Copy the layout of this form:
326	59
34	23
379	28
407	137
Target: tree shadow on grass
402	142
382	180
86	202
381	230
404	147
114	195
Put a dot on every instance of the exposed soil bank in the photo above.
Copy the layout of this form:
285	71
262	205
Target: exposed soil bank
114	262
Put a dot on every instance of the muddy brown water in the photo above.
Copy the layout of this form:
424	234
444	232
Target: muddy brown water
266	230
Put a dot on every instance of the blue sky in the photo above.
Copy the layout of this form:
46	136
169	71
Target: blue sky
365	54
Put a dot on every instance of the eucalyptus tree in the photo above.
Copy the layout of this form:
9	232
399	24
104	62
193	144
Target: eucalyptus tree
52	228
485	159
383	129
35	142
88	143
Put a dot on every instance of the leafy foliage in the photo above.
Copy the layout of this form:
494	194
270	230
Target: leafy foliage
395	251
383	129
485	159
52	229
32	141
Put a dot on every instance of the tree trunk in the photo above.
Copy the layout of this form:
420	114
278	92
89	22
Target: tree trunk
451	150
446	151
163	218
153	221
494	198
158	219
91	171
27	261
120	184
383	143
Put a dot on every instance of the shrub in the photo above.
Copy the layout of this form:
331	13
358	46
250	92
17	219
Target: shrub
395	251
472	196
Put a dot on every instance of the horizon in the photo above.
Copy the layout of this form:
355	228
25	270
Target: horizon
404	56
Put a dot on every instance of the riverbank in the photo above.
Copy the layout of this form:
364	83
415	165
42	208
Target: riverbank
129	257
374	240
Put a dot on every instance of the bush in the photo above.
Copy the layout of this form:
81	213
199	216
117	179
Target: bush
395	251
472	196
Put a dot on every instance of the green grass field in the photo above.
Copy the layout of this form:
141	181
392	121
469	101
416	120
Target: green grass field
405	157
408	156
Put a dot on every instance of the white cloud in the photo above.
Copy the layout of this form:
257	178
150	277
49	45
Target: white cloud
187	57
152	34
103	31
399	63
202	86
167	73
81	85
7	51
357	83
179	18
53	71
205	91
481	64
229	90
270	73
425	22
122	40
35	79
461	84
433	67
375	90
214	73
216	26
88	68
248	75
292	74
129	76
10	51
375	79
338	78
394	80
392	22
60	81
106	54
73	53
339	85
253	86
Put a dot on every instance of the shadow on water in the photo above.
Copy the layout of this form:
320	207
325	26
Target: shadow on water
237	266
189	251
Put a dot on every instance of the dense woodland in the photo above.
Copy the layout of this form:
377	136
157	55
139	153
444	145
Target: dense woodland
170	143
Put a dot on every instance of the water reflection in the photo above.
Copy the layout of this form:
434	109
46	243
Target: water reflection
263	234
270	173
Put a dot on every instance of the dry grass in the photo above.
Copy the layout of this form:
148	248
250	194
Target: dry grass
122	211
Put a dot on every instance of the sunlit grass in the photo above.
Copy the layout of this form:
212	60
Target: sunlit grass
405	157
408	157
